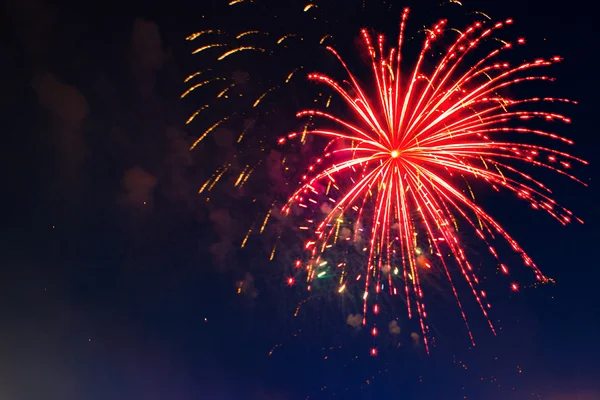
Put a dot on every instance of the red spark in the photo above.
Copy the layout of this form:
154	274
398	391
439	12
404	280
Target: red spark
400	166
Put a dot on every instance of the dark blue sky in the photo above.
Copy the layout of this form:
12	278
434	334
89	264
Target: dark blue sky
102	300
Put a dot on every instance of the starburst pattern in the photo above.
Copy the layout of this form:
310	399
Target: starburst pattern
402	165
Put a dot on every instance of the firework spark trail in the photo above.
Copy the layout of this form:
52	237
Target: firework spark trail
403	151
234	83
251	96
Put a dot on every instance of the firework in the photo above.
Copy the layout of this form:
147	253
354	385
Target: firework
245	72
253	54
253	57
392	183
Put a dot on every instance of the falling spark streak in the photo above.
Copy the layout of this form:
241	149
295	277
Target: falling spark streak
195	74
218	178
300	305
237	50
481	13
239	179
402	153
248	175
266	220
246	237
210	182
262	96
324	38
222	92
204	185
272	256
241	137
309	6
191	118
206	132
208	46
198	34
285	37
241	35
289	77
196	86
277	345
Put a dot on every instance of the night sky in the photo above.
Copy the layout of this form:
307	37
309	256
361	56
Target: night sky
113	283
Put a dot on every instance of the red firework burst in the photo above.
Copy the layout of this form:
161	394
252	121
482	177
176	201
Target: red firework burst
412	145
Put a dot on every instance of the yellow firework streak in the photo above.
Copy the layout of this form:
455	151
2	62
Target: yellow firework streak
197	34
324	247
292	74
196	86
225	90
328	102
309	6
455	223
300	305
208	46
209	130
239	179
191	118
242	134
480	223
484	163
195	74
241	35
216	175
324	38
222	92
470	190
289	35
430	245
205	185
304	133
247	236
264	224
243	48
480	13
218	178
500	172
262	96
391	71
503	104
234	2
274	250
248	174
277	345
